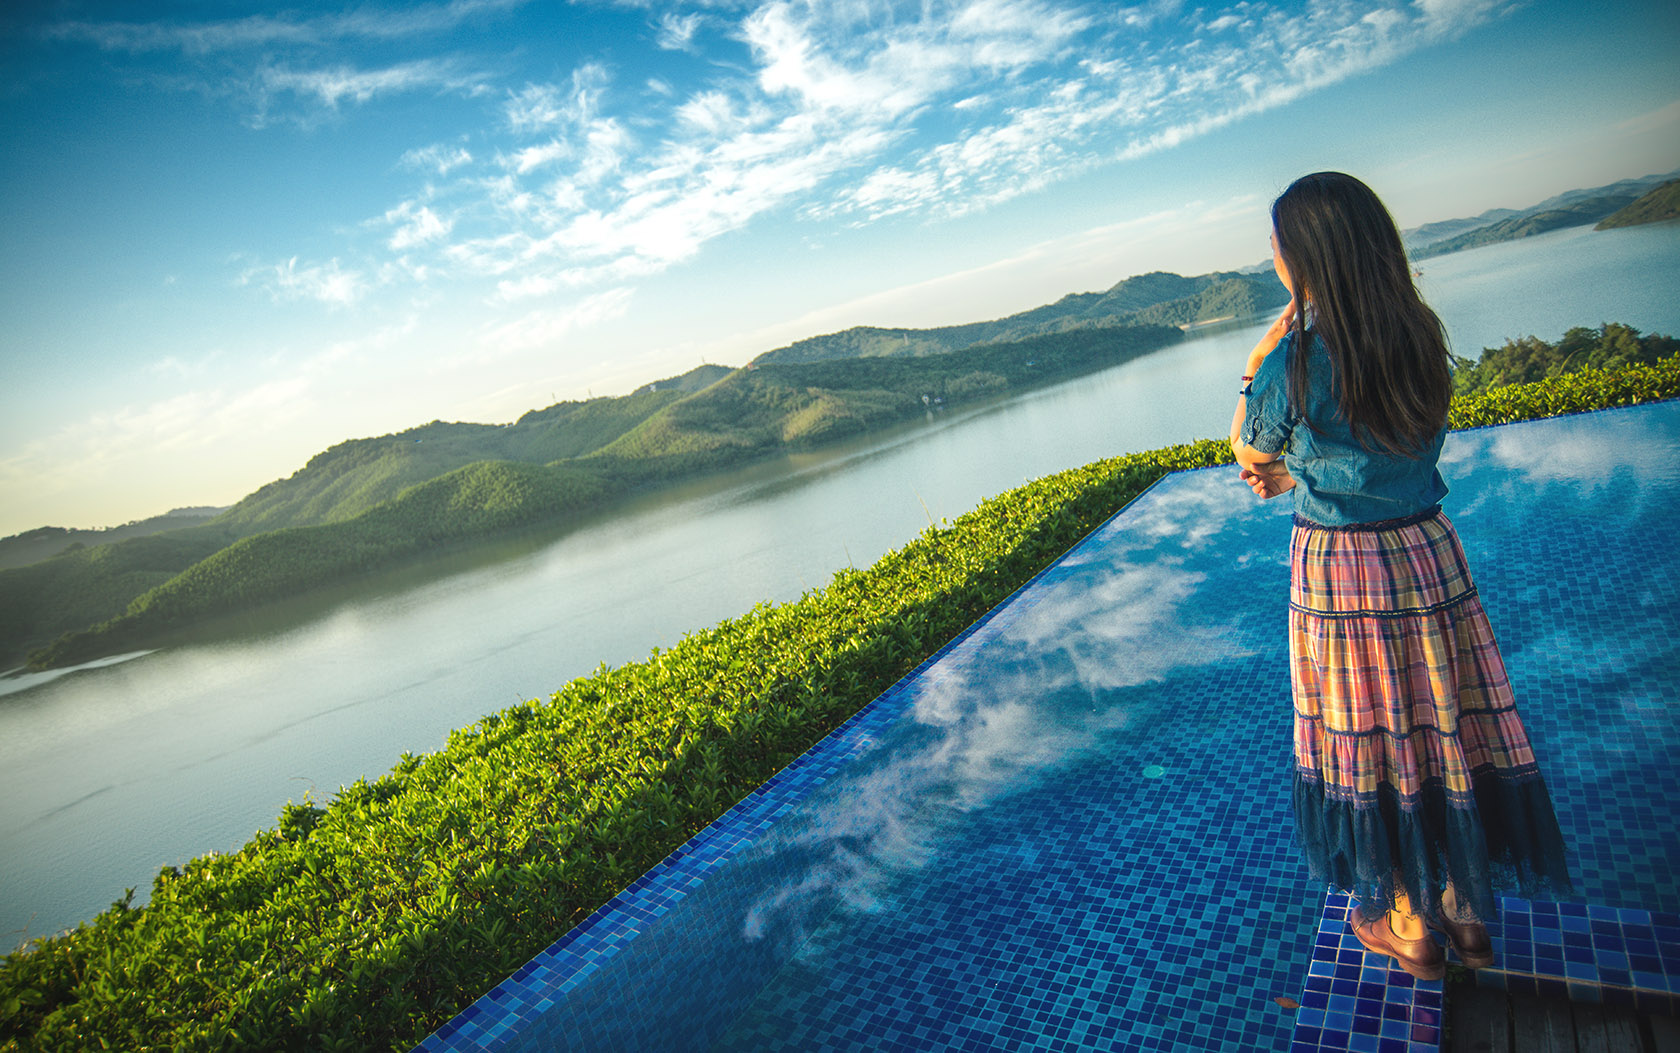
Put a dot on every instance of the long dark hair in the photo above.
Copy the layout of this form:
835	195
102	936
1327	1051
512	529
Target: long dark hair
1389	365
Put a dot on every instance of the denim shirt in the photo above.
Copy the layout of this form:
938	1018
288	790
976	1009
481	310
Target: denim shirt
1338	482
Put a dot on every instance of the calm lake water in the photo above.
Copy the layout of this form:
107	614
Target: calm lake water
110	772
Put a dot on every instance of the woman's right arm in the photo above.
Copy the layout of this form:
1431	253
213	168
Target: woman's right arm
1246	455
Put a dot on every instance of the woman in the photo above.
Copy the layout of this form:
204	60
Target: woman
1416	788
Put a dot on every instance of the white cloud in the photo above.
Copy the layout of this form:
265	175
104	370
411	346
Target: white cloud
535	107
847	113
533	157
416	225
524	288
1146	15
255	31
437	158
676	32
605	145
546	327
330	87
1130	100
261	31
1451	16
328	282
713	113
178	369
1659	120
541	107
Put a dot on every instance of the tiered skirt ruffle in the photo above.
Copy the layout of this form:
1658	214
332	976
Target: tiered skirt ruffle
1413	770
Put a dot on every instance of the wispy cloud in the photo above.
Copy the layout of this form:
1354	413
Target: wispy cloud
548	327
437	158
546	107
262	31
326	282
857	113
1452	16
847	114
221	406
415	225
330	88
1656	120
676	32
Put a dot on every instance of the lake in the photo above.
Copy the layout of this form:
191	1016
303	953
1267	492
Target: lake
110	772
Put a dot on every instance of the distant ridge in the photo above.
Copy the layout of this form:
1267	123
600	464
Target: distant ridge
1660	204
1156	298
367	504
697	379
1528	224
358	505
1570	208
324	524
32	546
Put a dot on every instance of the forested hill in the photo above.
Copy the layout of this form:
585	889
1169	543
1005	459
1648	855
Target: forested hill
1527	225
769	406
1660	204
1570	208
454	484
32	546
1156	298
353	477
694	380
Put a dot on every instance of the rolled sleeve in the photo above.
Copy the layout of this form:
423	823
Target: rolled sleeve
1267	422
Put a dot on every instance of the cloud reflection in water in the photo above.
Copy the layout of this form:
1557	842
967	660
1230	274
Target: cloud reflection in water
1039	687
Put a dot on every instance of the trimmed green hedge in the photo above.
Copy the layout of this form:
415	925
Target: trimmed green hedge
367	923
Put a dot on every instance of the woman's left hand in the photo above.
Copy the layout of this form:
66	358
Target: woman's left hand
1269	480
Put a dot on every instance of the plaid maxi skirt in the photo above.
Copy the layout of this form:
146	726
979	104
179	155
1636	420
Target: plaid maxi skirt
1412	767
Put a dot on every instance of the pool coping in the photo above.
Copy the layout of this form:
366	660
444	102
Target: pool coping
1355	1001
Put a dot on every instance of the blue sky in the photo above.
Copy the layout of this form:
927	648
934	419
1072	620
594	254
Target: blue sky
238	234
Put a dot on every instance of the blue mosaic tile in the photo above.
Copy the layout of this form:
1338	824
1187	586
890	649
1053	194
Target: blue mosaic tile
1383	1007
1524	964
1069	829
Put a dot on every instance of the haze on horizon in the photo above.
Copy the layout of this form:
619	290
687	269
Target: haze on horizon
237	235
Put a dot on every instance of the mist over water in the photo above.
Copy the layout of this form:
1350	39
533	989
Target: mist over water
108	773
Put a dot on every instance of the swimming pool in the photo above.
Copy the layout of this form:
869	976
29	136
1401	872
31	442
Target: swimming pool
1069	829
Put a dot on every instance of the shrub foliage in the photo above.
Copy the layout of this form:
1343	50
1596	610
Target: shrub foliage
366	922
1529	358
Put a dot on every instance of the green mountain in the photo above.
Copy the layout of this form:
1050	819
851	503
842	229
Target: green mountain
1529	224
81	588
78	588
1661	203
1157	298
356	476
475	501
697	379
771	405
1570	208
1430	233
33	546
357	507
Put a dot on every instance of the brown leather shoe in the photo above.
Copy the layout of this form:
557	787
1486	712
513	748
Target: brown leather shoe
1423	958
1469	939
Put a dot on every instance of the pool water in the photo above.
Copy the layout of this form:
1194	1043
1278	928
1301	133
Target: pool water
1070	828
